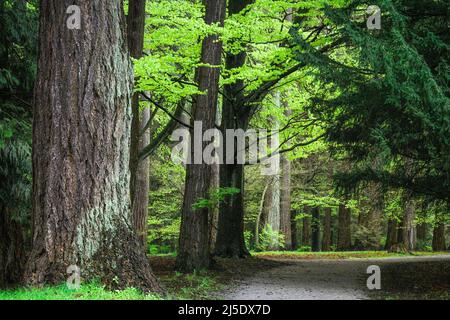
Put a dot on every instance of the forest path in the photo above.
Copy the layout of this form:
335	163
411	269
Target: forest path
339	279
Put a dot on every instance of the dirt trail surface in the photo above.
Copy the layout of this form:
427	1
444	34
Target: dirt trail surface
342	279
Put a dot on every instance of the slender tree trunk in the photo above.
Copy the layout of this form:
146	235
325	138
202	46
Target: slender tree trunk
260	219
294	231
315	226
139	169
285	206
12	249
344	241
326	236
81	135
439	235
392	235
273	210
230	234
421	235
408	230
306	228
194	250
214	218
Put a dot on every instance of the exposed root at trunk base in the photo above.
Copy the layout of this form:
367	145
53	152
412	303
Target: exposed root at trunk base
119	263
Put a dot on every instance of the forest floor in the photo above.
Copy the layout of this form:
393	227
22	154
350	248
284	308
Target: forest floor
281	275
343	276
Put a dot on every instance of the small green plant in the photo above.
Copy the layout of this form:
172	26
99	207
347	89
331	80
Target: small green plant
270	239
215	198
247	238
304	249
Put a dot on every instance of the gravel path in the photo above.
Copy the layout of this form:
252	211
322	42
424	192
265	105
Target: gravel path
323	279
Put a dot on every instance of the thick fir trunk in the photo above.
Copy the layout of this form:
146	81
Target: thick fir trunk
326	236
81	134
344	241
439	237
12	250
315	227
194	251
139	169
230	233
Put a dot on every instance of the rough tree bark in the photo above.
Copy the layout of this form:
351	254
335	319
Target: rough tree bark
315	227
344	241
326	236
139	168
194	234
81	134
230	233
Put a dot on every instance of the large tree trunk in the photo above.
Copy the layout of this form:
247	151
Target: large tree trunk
12	249
439	235
315	227
344	241
230	234
139	168
230	237
326	236
194	234
81	134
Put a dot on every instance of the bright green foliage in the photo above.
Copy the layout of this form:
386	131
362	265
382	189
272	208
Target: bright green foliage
165	200
215	197
269	238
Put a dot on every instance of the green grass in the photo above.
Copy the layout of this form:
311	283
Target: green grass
86	292
340	255
198	285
